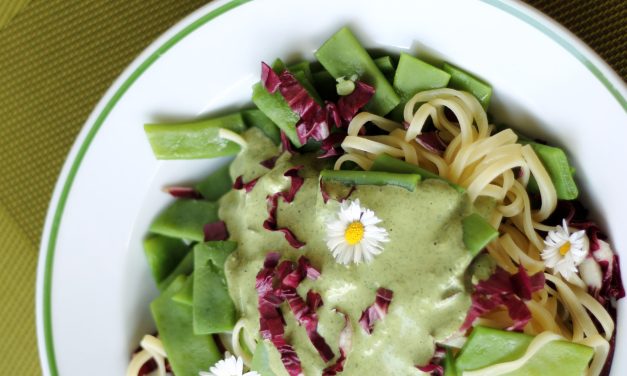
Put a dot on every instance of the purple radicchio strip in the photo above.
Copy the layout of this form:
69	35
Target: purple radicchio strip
286	145
346	343
215	231
330	146
309	320
183	192
270	224
313	117
270	317
314	300
296	182
434	367
269	78
350	104
432	142
524	285
315	120
270	162
501	290
611	284
239	184
377	311
291	274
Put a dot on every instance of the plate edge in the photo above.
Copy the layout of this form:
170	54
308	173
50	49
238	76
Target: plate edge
549	27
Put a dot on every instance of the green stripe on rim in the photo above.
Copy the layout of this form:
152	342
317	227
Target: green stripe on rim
56	220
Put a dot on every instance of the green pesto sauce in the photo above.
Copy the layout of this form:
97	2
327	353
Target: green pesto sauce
423	263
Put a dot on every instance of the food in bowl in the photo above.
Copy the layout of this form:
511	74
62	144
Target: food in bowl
374	221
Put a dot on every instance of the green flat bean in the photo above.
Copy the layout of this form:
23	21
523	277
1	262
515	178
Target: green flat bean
407	181
187	353
194	140
185	219
214	311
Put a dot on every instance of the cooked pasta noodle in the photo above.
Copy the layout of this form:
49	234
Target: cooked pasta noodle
240	334
484	162
152	348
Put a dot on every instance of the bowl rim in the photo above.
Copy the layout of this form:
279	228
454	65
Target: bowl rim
549	27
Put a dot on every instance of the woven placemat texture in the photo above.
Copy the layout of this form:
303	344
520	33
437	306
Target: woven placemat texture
602	24
58	57
9	8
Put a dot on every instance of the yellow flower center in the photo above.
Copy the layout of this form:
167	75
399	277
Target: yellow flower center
354	233
565	248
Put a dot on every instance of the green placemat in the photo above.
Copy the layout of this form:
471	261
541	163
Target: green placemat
58	57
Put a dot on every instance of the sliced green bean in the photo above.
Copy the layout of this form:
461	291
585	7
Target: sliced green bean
186	294
256	118
561	172
275	107
185	219
414	75
216	184
384	162
194	140
343	56
477	233
214	311
163	255
386	66
462	80
187	353
407	181
184	268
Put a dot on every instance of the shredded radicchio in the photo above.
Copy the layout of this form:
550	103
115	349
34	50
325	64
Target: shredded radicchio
434	367
611	282
346	343
276	283
315	120
286	145
269	78
347	106
270	162
184	192
432	142
503	289
271	224
377	311
270	317
215	231
296	183
330	146
239	184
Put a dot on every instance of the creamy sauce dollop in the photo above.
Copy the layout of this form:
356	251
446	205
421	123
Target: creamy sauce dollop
424	263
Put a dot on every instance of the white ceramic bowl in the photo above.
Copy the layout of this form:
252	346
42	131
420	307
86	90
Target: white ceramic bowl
93	286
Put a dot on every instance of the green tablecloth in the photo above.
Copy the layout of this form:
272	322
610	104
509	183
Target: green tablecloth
57	58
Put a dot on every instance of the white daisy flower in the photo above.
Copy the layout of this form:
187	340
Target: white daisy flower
353	236
230	366
565	251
